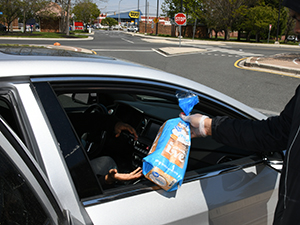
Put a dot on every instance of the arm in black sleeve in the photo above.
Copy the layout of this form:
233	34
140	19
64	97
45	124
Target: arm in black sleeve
265	135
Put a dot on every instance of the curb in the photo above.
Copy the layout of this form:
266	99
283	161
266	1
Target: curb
248	63
70	48
48	39
208	42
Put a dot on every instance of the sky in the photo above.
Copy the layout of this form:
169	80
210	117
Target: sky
111	6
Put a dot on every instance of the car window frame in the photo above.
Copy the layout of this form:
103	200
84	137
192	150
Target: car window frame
63	131
25	132
119	83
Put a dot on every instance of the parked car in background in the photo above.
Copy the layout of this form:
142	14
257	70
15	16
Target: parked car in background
45	171
116	27
133	29
293	38
2	27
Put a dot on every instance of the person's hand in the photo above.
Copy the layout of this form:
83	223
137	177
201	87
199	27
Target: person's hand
113	175
120	126
200	124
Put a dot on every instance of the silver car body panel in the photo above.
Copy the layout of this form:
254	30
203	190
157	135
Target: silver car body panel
56	169
195	201
183	206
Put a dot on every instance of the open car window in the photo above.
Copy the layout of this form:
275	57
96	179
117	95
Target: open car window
94	108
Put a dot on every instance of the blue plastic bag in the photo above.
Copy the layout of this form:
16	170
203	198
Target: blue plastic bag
166	162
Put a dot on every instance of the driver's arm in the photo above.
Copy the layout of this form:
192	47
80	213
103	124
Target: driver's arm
120	126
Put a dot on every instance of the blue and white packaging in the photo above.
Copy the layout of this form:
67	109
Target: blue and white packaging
166	162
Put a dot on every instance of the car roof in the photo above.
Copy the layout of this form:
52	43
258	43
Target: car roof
29	63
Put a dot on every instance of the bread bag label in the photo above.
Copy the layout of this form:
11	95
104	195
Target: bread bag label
166	162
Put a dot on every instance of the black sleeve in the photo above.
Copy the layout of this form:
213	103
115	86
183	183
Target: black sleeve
265	135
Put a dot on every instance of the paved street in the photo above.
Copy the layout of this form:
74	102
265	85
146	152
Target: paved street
213	65
210	63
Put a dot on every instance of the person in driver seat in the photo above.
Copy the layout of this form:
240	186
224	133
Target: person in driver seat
105	167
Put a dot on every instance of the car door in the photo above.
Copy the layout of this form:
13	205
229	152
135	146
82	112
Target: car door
222	185
26	197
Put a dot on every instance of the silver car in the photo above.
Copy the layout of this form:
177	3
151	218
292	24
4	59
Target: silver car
46	176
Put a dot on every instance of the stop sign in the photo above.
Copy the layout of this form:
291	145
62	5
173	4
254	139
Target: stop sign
180	19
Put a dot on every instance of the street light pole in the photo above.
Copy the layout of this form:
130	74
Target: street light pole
146	17
157	17
119	21
138	22
278	21
181	3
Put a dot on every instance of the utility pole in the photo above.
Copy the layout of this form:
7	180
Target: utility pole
181	6
278	22
119	21
146	17
157	20
138	23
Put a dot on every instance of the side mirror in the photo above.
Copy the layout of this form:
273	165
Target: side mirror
275	161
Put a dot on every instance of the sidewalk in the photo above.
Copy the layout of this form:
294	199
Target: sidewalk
70	48
286	63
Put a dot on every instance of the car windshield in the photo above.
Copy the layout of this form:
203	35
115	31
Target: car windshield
151	98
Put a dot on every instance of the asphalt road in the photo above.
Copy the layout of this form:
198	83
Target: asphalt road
212	65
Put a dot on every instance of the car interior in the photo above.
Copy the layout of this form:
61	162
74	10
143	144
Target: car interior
145	111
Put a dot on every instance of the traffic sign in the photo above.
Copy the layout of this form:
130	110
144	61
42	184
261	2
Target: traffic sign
155	20
180	19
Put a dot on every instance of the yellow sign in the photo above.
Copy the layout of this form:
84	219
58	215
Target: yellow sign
155	20
134	14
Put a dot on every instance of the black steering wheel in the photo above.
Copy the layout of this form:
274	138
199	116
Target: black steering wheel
97	107
95	142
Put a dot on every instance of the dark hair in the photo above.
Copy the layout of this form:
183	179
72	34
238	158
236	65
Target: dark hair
292	4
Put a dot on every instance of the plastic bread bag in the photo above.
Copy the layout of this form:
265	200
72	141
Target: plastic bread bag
166	162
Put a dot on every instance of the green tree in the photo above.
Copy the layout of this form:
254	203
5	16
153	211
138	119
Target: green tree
108	21
272	3
290	24
258	20
29	9
226	14
11	10
171	7
86	11
192	8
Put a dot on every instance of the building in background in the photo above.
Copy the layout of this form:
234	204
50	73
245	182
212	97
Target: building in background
50	18
161	19
128	18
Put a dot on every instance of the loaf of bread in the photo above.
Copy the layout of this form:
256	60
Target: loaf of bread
166	162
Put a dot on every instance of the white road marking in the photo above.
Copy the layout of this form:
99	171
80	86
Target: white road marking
294	61
127	40
159	52
120	50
